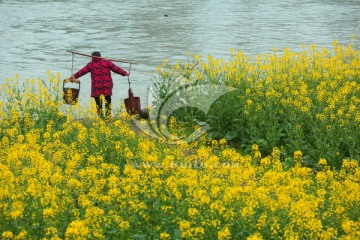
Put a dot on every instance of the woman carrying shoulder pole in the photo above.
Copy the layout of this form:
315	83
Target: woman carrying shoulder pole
101	81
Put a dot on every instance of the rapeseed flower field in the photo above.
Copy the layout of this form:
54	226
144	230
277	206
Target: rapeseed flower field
308	100
66	174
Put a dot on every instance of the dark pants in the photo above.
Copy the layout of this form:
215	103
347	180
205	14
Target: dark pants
99	106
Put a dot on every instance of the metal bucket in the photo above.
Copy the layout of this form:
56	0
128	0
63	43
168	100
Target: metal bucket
70	95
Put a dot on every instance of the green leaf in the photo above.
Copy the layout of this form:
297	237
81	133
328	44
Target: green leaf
139	237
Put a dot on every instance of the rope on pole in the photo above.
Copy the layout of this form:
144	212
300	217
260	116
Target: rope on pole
129	74
72	64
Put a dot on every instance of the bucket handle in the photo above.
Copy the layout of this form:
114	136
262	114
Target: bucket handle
65	80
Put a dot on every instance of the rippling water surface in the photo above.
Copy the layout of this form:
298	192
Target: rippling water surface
34	35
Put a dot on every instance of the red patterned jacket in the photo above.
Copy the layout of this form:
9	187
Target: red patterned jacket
101	80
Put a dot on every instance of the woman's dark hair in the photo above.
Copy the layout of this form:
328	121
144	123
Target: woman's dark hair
96	54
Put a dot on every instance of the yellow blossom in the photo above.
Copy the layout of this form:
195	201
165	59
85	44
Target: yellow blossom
124	225
224	234
77	229
165	236
7	235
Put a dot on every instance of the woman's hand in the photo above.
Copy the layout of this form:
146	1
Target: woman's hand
75	80
72	79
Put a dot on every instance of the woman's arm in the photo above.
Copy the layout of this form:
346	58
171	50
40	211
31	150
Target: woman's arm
118	70
81	72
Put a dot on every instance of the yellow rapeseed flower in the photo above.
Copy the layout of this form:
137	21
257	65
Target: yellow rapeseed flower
77	229
165	236
7	235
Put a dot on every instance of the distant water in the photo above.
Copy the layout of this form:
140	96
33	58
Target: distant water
34	35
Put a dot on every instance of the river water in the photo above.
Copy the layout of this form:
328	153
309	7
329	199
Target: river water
34	35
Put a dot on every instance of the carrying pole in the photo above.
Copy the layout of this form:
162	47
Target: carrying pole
113	60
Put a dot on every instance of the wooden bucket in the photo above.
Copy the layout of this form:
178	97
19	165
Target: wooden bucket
132	104
70	95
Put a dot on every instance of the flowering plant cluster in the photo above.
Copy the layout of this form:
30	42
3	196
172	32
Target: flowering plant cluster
308	100
63	176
